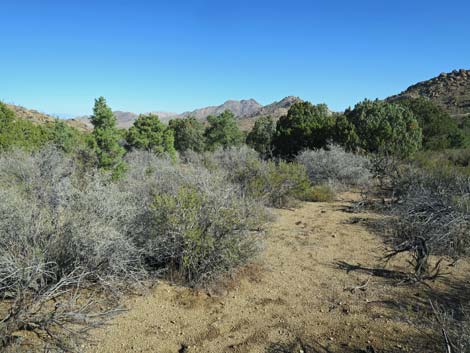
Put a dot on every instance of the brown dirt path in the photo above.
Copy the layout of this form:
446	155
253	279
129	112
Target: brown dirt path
293	300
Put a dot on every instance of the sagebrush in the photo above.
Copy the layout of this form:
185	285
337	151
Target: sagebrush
335	166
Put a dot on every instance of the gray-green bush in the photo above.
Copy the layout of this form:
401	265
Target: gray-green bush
194	223
336	166
276	184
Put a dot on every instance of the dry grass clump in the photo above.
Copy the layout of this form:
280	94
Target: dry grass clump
453	325
322	193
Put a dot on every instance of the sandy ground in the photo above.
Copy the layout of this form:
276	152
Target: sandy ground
295	298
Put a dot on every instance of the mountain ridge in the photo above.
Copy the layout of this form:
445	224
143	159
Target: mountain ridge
245	110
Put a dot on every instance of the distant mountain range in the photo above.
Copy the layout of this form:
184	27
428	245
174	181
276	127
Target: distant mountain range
246	110
450	90
244	107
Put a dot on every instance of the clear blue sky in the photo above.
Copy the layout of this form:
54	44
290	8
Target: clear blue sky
57	56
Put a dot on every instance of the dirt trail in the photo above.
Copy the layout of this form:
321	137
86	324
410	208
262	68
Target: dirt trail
294	299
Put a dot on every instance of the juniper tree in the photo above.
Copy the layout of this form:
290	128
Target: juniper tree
306	126
261	136
223	131
385	127
189	134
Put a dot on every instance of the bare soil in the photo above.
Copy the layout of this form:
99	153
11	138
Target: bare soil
297	297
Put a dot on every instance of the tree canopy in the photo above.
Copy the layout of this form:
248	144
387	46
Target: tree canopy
306	126
188	133
440	130
384	127
223	131
260	138
149	133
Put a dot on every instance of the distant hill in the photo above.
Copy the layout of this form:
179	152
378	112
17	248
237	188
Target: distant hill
42	118
246	110
238	108
451	91
276	109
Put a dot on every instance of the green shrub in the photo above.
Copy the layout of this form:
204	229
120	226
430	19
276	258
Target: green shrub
450	161
20	133
440	130
198	235
261	136
285	183
66	138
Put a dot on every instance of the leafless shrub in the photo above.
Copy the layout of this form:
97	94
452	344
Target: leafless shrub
335	166
58	313
56	233
428	209
431	214
45	210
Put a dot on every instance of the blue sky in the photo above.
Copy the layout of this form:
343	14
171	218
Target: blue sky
57	56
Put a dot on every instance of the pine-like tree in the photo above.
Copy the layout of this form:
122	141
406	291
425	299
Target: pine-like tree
106	138
149	133
223	131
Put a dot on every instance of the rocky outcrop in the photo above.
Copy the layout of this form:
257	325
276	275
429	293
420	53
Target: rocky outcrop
451	91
